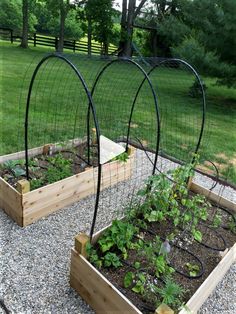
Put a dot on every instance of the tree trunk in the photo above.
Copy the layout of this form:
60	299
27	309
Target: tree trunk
125	46
89	36
154	43
123	28
105	48
127	21
25	11
63	12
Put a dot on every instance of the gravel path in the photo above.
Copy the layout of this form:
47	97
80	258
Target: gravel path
34	265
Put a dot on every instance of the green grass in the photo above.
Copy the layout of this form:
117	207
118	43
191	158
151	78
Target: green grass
58	97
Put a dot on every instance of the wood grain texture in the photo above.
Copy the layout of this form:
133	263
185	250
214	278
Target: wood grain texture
11	202
210	283
96	290
48	199
29	207
39	150
211	196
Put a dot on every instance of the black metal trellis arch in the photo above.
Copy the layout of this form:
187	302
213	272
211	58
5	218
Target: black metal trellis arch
177	64
202	95
127	60
90	106
47	77
126	133
90	103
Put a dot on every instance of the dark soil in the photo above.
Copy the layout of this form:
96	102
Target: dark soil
74	160
185	250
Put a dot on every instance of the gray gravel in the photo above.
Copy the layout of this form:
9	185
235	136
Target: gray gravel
223	299
34	265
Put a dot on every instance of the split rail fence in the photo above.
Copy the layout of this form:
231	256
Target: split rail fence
50	41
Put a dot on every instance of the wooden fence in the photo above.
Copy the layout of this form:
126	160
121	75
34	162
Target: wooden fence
49	41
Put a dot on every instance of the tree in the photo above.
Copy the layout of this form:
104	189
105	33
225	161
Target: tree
201	32
49	23
102	22
129	14
64	9
212	39
164	25
11	14
25	28
60	8
99	21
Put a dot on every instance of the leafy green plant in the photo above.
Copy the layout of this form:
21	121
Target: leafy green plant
129	279
111	259
59	168
93	255
36	183
216	220
136	281
15	167
140	281
164	201
122	157
171	293
193	269
232	224
118	236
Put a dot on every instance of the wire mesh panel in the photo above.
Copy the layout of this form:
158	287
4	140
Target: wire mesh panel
182	107
128	114
56	124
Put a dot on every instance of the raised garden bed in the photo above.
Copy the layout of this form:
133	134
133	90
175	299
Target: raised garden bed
26	206
104	289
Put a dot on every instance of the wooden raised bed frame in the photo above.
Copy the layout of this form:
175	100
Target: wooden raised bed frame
26	207
103	297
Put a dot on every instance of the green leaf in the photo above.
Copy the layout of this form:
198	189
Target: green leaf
197	235
111	259
176	221
155	215
18	171
128	279
105	244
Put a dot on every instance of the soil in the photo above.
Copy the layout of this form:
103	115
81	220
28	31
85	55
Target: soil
39	165
206	255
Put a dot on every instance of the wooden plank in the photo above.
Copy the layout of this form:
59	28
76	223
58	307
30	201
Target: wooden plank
81	241
46	200
39	150
211	196
11	201
29	207
47	209
83	278
21	155
210	283
23	186
98	234
96	290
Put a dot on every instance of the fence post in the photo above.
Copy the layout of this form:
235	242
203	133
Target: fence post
11	36
74	46
35	39
56	42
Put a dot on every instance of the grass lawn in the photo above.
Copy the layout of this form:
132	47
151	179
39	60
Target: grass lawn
58	97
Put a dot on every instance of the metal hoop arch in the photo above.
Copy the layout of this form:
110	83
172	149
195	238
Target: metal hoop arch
202	91
146	77
90	106
130	118
203	98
